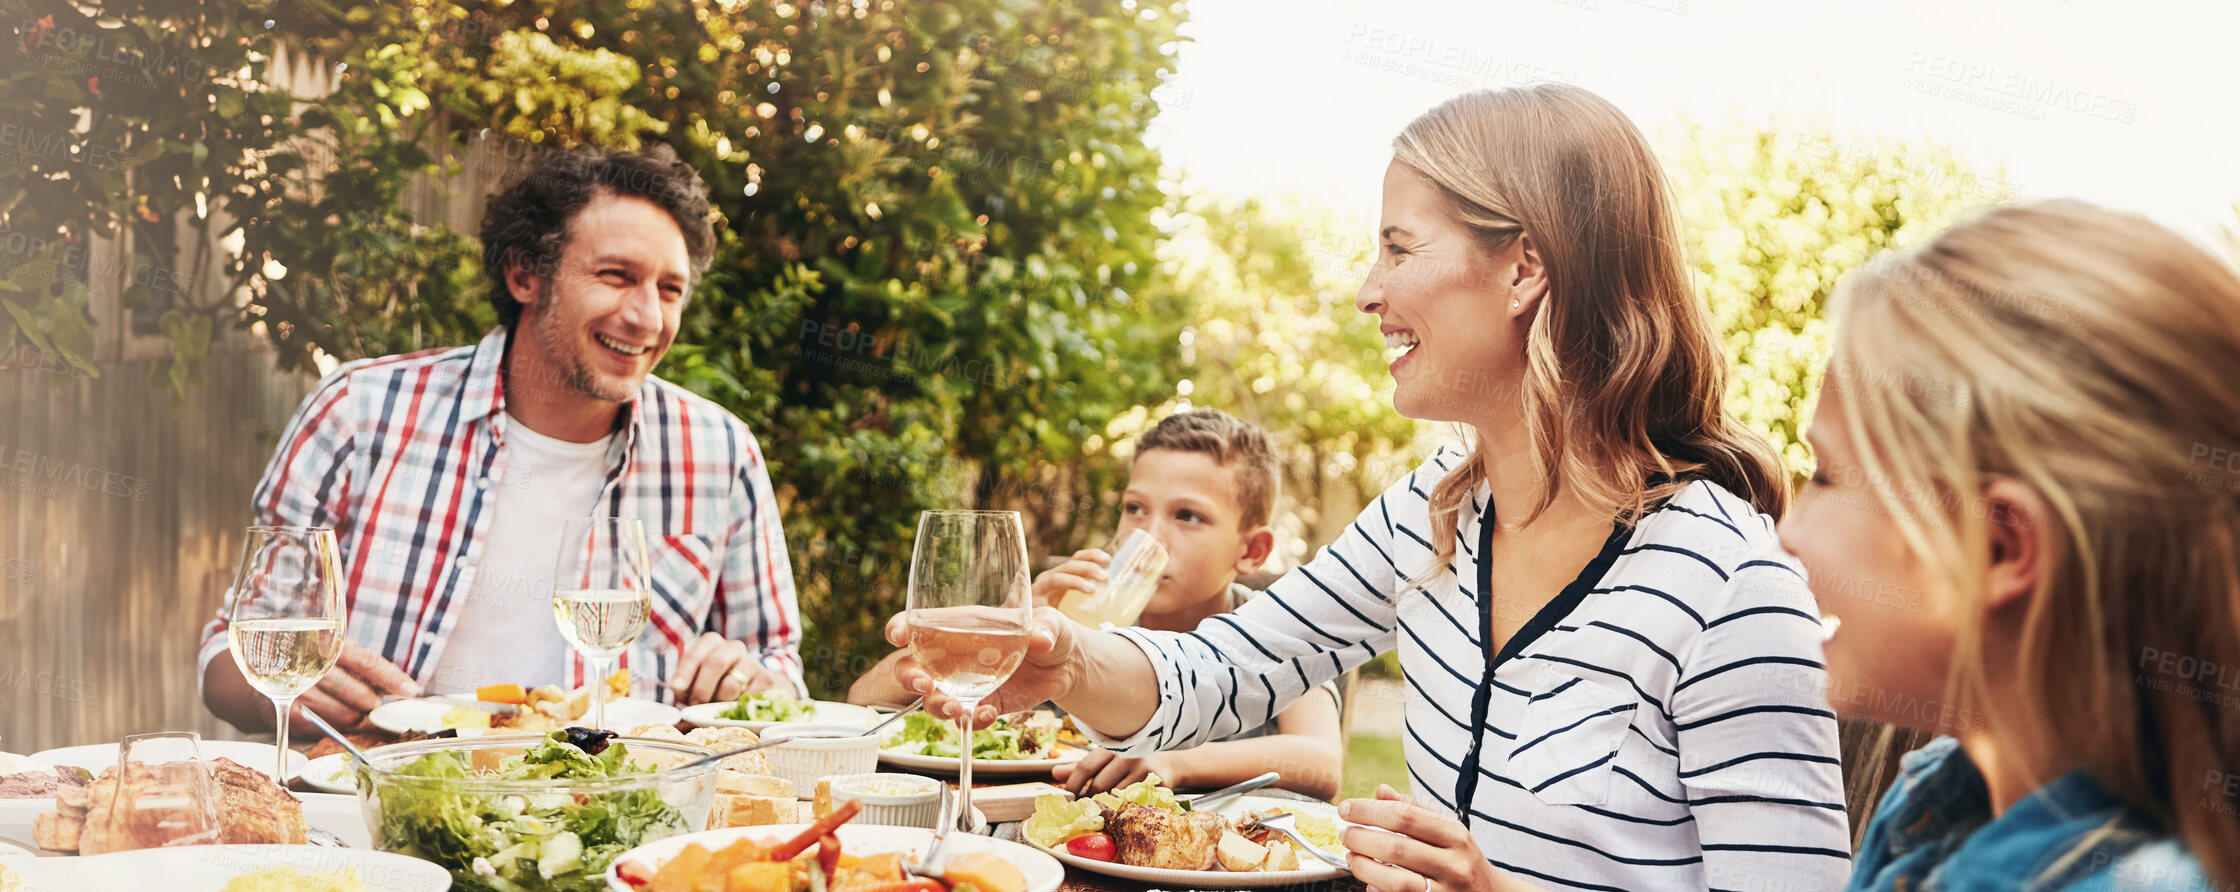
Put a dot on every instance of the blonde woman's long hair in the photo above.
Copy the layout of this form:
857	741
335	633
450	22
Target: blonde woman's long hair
1624	376
2093	357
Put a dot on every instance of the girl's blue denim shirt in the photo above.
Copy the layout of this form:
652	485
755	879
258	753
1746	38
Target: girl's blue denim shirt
1934	832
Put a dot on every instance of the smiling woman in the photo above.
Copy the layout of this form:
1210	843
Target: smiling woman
1614	684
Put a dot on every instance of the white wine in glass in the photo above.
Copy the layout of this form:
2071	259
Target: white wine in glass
284	619
969	612
602	595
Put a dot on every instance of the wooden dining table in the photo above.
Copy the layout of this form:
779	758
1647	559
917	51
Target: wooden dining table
1076	880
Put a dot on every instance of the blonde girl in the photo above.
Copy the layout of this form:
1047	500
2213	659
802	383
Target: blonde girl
2026	521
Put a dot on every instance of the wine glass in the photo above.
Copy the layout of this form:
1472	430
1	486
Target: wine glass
285	622
165	792
969	612
602	595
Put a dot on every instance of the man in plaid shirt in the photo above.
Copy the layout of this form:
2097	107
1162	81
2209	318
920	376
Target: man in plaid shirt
447	474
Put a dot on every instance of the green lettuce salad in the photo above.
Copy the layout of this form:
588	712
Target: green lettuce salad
1057	819
924	735
769	706
555	842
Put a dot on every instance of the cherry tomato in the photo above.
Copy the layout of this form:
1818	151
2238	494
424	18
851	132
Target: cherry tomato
1095	847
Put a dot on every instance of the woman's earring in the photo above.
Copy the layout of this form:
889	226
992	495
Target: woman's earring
1514	304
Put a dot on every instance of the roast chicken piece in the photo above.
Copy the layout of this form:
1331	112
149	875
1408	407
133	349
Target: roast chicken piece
1143	836
251	809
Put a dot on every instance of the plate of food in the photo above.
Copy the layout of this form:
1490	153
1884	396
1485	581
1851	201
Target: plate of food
1008	748
1141	832
514	709
792	858
329	774
243	868
762	709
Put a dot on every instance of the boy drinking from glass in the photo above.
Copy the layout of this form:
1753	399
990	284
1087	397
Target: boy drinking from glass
1204	484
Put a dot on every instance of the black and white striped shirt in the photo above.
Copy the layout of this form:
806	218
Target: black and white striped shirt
1660	725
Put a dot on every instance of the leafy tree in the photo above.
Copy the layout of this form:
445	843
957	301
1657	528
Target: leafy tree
1276	341
936	260
1773	215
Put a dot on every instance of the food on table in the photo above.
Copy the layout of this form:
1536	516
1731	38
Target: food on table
368	740
1168	839
1236	853
1144	825
283	878
721	739
1095	847
502	693
1057	820
560	841
1005	740
770	706
753	800
251	809
1320	830
544	708
813	860
42	782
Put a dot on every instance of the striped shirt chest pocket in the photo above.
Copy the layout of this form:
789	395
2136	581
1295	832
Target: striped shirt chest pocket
1569	738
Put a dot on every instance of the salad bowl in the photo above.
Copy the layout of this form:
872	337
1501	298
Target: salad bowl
535	813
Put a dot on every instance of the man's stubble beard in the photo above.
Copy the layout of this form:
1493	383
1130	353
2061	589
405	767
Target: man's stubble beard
549	330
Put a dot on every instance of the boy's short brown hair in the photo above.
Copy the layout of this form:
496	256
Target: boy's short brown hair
1243	447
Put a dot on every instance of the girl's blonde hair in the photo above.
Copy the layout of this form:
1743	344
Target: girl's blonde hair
1624	377
2093	357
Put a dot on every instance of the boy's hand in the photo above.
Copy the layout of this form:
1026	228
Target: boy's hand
1081	574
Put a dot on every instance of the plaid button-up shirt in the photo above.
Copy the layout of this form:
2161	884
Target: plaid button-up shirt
400	456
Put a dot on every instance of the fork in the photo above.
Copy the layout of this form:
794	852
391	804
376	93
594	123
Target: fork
930	866
1284	824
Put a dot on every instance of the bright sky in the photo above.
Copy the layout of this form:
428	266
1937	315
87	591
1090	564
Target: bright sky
2128	103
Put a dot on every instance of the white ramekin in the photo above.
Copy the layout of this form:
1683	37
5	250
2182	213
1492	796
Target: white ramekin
819	751
920	806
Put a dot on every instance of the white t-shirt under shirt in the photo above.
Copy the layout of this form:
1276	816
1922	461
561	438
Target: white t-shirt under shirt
505	631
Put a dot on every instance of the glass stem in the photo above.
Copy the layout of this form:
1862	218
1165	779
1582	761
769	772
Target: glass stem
598	682
964	764
281	706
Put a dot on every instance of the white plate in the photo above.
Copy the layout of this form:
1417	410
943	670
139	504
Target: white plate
330	774
95	757
340	815
707	715
1311	869
983	767
1042	872
209	868
16	816
426	716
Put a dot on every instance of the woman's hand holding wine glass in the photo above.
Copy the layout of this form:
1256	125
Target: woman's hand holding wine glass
968	613
1048	671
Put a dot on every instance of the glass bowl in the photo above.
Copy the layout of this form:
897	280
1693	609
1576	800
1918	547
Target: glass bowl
551	835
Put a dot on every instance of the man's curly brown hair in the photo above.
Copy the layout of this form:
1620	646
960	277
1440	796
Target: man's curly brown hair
527	222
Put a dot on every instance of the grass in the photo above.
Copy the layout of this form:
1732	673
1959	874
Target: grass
1372	760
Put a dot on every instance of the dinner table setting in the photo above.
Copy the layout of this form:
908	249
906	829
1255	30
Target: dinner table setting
543	789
